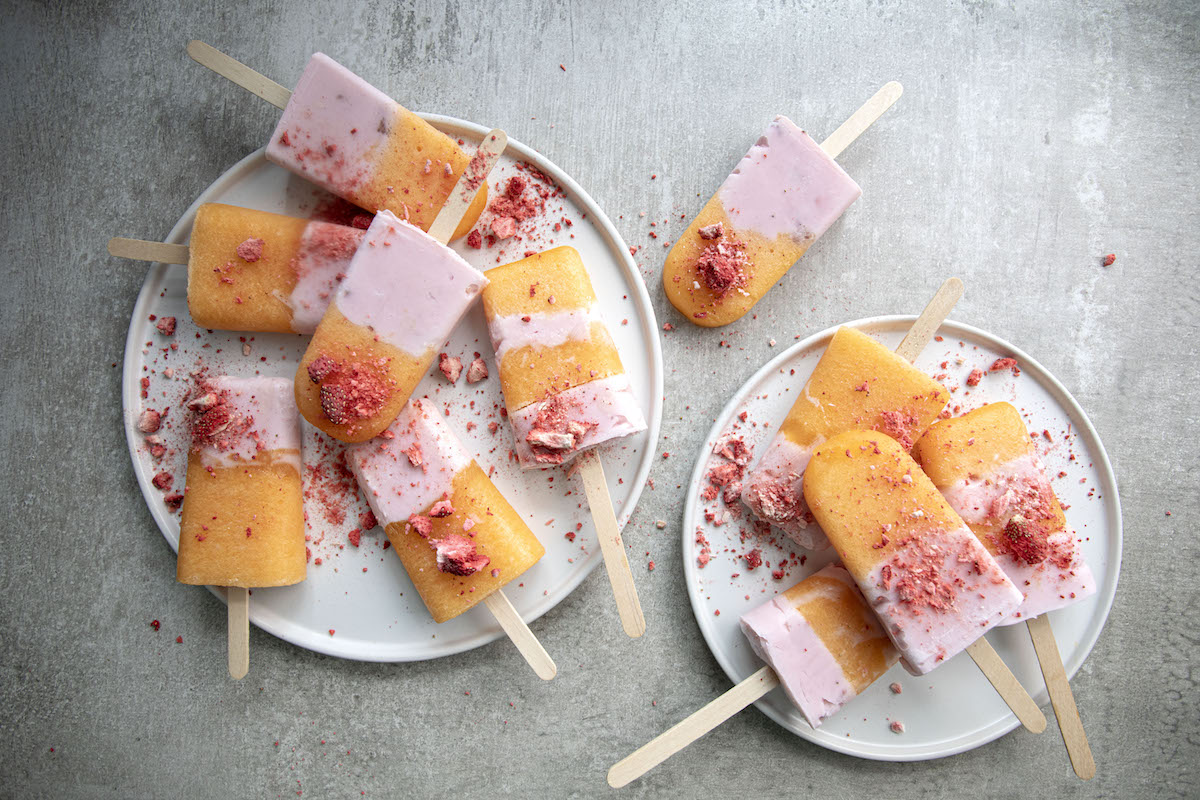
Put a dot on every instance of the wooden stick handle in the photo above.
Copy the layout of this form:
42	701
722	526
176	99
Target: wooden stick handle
615	562
141	250
228	67
1007	685
930	320
667	744
464	191
1069	723
862	119
536	655
237	601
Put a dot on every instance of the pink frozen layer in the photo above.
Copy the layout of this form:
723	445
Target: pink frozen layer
411	466
810	675
938	593
408	287
774	491
256	415
787	184
331	124
548	329
324	256
599	410
1063	576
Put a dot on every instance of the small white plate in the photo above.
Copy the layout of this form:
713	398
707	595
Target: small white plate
953	708
359	602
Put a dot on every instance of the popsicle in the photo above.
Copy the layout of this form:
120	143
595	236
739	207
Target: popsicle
402	295
351	139
459	540
565	389
934	586
985	465
564	386
253	270
857	384
243	517
821	642
784	193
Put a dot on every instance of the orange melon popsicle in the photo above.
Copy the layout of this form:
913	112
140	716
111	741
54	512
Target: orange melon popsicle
822	640
346	136
783	194
565	389
985	465
243	507
401	297
457	536
252	270
857	384
935	588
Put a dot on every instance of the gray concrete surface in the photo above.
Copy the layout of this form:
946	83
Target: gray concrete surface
1032	139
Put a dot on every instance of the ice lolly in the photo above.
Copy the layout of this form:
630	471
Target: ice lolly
783	194
565	389
822	640
402	294
243	510
253	270
934	586
779	199
821	643
459	540
986	467
857	384
351	139
564	386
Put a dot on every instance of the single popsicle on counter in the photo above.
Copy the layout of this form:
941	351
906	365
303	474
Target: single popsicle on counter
779	199
935	588
459	540
351	139
857	384
565	389
402	294
822	644
242	525
985	465
253	270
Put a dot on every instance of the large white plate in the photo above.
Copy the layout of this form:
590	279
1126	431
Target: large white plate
359	602
953	708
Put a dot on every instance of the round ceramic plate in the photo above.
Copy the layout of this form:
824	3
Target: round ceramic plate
357	601
953	708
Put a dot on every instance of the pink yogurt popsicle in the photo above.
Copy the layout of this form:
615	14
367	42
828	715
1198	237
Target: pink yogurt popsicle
783	194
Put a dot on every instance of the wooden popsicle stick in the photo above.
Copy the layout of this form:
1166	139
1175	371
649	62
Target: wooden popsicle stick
141	250
1007	685
464	191
528	644
862	119
229	67
237	601
671	741
629	608
931	318
1069	723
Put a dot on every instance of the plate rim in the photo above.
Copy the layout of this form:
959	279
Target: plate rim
1004	725
639	294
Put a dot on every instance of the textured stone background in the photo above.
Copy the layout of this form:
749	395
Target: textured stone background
1032	139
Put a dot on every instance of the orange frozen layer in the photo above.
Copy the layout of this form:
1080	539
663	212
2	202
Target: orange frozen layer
242	525
691	294
499	534
371	380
